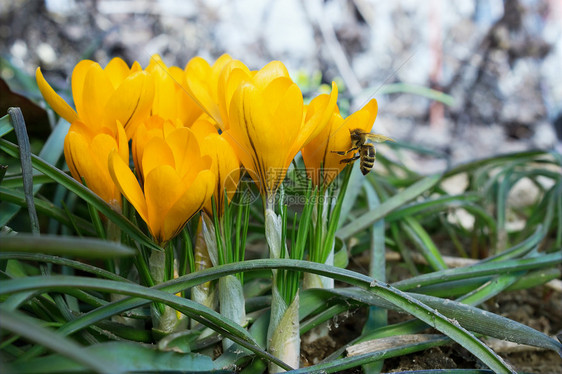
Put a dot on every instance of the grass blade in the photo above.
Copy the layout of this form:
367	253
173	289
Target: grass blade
85	193
65	245
389	205
423	241
471	318
492	268
418	90
392	295
124	356
18	122
44	207
5	125
190	308
39	257
31	330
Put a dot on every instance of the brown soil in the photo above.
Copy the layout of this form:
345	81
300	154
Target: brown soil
538	307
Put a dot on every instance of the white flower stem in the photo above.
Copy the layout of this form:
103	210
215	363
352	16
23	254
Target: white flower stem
283	337
204	252
164	319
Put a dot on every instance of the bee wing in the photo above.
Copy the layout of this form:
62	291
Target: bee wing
377	138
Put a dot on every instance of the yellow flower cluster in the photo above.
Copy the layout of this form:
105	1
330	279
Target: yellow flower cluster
188	131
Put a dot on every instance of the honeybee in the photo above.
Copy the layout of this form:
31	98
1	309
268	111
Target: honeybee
366	151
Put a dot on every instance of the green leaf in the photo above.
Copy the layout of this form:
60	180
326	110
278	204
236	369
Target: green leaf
418	90
5	125
16	197
190	308
377	269
392	296
124	357
442	202
51	153
498	159
356	181
54	146
25	158
65	245
521	248
449	327
85	193
491	268
39	257
388	206
28	328
469	317
423	241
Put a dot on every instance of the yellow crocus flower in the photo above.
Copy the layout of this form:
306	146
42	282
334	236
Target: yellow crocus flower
178	182
86	153
104	96
225	163
268	123
202	83
280	125
154	126
172	99
321	162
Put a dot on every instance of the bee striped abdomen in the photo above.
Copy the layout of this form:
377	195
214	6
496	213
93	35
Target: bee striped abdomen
362	149
367	158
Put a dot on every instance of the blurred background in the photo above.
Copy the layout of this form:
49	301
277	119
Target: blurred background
499	62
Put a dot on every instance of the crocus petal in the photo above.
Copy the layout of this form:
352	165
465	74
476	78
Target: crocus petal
364	118
122	142
275	94
154	126
117	70
96	92
156	153
54	100
164	104
162	188
89	158
232	76
319	112
197	73
78	80
98	177
201	128
171	98
263	132
136	67
323	165
187	156
191	201
288	115
242	122
225	166
70	161
141	137
269	72
125	180
131	102
186	108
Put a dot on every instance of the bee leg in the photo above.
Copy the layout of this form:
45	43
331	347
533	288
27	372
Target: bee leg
348	160
342	153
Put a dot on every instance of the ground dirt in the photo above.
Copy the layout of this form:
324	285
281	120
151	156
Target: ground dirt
538	307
